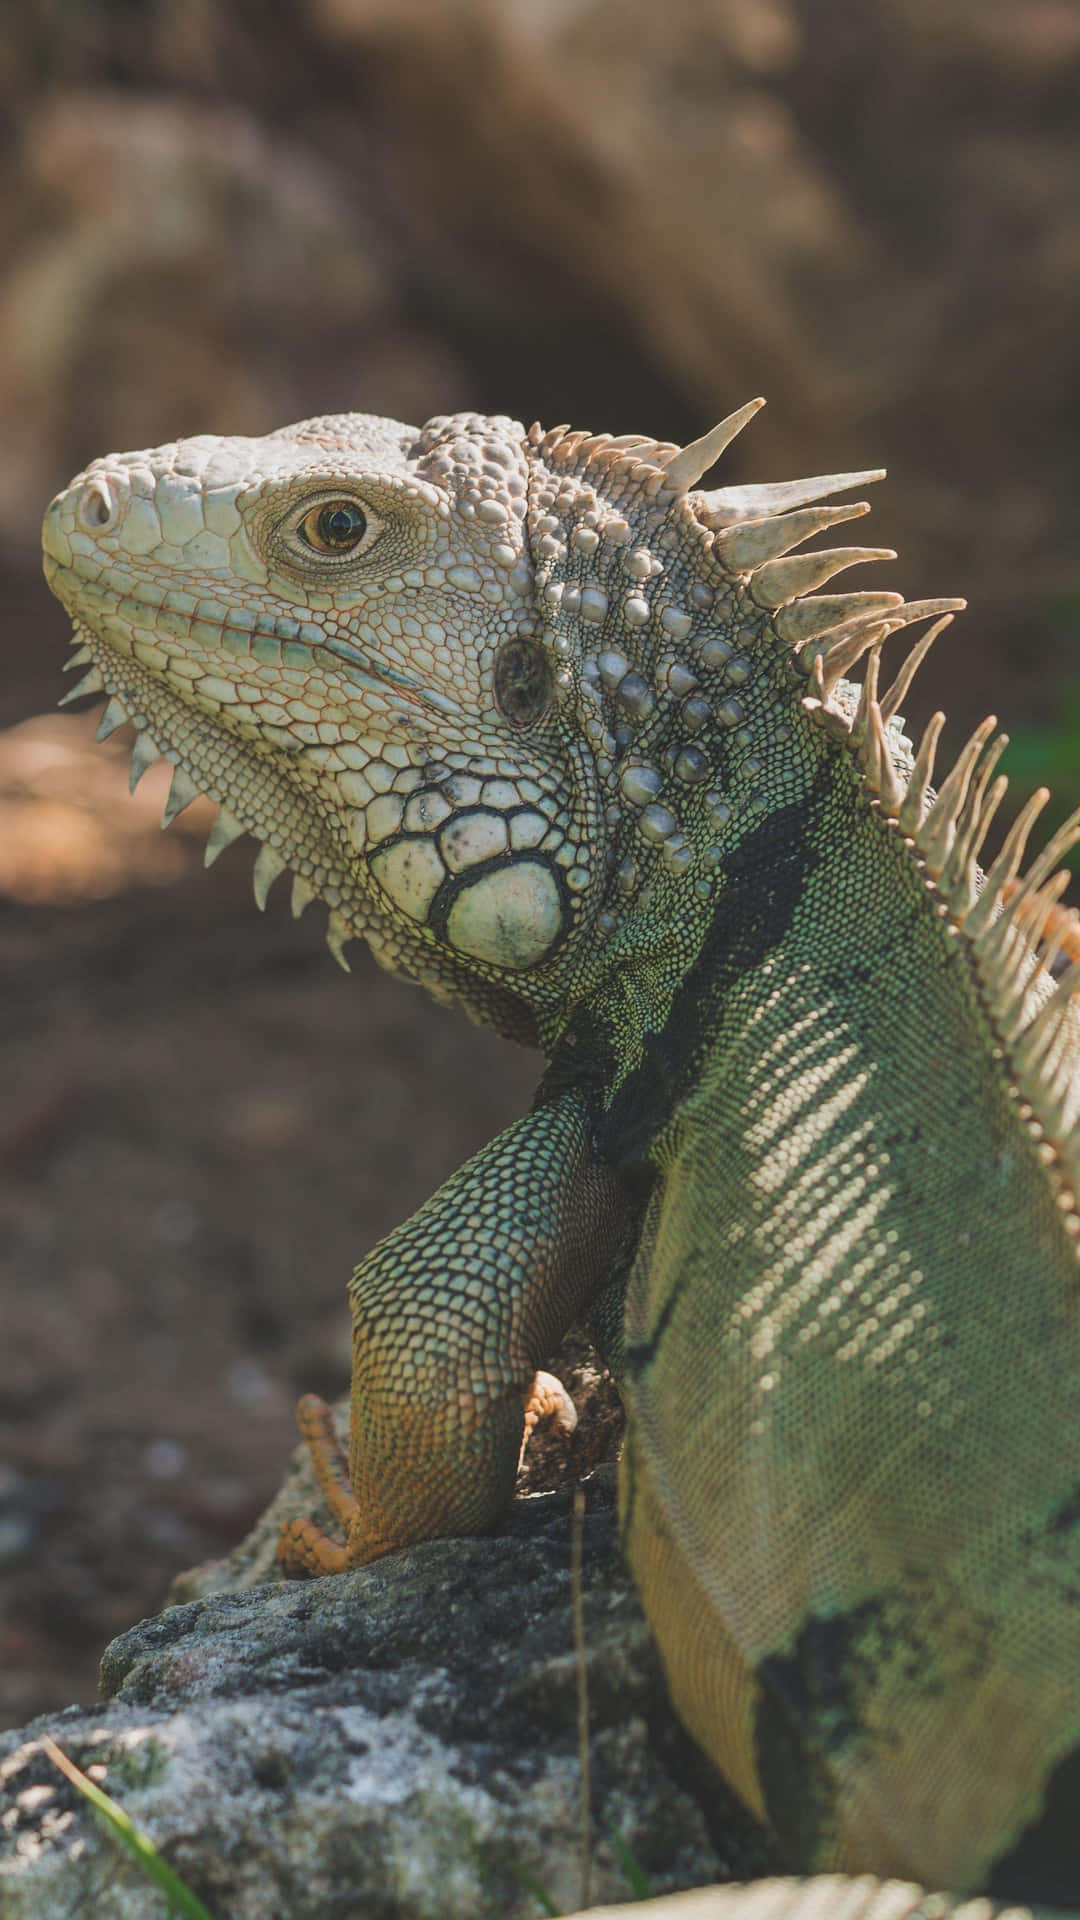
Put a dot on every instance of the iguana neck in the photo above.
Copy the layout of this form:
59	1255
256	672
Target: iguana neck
822	991
752	832
688	724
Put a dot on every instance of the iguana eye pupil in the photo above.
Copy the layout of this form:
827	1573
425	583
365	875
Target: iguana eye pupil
335	527
523	683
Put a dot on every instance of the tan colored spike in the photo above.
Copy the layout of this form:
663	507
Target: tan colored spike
993	938
1042	916
561	449
685	467
91	682
268	865
817	614
225	830
303	893
880	772
986	819
1035	919
1055	1103
1057	1098
338	935
1006	866
779	581
937	831
983	809
958	876
1041	1032
182	792
741	548
860	726
818	690
911	812
655	451
890	703
914	610
1064	933
724	507
1059	844
114	716
847	647
143	755
623	466
1058	928
1012	966
816	703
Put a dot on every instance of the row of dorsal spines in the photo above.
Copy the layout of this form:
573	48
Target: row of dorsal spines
754	531
1025	946
1024	943
749	532
634	464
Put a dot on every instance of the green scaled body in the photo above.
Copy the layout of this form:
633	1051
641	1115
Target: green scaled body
575	743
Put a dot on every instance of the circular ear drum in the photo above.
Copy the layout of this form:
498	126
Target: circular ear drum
523	682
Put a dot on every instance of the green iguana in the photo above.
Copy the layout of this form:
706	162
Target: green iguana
571	742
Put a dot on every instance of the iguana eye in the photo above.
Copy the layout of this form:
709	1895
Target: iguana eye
336	526
523	683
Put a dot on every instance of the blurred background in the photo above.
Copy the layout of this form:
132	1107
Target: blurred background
222	215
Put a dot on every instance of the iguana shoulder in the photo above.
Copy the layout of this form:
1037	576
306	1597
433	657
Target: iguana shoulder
572	742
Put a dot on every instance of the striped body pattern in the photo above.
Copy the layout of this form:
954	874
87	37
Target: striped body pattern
576	743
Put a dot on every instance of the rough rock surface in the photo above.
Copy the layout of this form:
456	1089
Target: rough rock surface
397	1741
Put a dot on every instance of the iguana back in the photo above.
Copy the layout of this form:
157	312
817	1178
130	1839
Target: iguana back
852	1355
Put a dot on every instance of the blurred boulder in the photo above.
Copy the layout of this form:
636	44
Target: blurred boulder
590	209
181	267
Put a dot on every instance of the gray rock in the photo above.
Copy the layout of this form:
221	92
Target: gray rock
398	1741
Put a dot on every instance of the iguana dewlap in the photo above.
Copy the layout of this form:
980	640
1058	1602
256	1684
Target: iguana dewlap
571	742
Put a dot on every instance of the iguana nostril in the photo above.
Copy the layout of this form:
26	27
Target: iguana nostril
97	507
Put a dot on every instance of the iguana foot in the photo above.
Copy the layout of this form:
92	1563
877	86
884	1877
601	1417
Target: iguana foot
316	1424
302	1546
547	1398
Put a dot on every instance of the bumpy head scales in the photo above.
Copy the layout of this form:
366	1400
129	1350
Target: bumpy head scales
507	701
381	651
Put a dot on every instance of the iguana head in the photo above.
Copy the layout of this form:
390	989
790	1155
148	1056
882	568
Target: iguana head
488	693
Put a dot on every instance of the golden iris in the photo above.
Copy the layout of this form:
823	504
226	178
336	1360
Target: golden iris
337	526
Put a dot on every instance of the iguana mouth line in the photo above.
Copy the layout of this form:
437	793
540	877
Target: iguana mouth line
361	670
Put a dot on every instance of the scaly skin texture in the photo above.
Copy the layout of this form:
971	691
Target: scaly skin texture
826	1897
570	741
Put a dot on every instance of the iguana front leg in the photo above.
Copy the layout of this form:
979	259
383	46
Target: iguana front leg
452	1315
